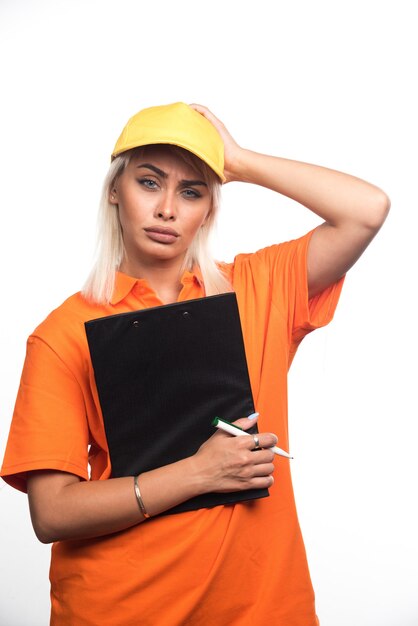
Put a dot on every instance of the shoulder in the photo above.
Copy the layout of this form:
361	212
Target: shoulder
68	316
63	330
277	258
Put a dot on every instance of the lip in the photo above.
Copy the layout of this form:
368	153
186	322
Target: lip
162	234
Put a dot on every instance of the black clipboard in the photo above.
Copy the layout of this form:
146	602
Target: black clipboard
162	375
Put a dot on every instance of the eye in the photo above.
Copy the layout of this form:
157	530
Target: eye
191	193
148	183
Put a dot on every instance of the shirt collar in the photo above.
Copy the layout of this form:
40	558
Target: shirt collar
124	283
195	275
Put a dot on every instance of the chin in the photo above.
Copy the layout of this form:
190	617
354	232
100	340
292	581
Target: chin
164	253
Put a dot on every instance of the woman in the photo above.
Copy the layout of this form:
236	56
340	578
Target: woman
115	560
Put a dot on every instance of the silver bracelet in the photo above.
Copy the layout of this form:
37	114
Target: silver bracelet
139	499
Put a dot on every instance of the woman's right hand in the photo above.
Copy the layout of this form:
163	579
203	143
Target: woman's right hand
65	507
226	463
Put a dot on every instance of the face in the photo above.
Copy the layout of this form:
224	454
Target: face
162	204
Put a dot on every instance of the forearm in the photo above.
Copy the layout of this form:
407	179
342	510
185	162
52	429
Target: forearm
352	209
63	507
336	197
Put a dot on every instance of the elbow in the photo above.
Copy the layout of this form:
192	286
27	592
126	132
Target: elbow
46	522
47	505
45	532
45	539
42	517
378	210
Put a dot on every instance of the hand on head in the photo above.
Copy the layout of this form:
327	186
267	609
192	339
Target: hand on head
232	149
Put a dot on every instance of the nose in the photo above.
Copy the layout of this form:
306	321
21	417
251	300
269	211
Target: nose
166	209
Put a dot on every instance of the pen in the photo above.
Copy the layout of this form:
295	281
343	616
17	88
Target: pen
236	431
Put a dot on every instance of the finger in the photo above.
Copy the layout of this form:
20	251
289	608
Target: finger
264	440
263	469
220	127
246	422
204	111
198	107
262	482
263	455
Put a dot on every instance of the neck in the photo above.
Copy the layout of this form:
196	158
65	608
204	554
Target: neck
163	278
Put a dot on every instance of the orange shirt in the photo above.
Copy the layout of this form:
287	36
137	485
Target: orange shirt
236	565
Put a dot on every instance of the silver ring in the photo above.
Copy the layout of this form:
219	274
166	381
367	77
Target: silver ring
256	442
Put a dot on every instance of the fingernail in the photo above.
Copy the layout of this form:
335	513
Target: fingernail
253	416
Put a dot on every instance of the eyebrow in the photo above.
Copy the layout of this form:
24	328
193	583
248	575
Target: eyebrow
184	182
155	169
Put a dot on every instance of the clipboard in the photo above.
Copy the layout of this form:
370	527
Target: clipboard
162	375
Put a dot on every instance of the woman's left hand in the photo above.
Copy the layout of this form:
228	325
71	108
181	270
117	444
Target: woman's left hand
232	149
352	209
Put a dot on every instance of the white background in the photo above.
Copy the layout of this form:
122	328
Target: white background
327	82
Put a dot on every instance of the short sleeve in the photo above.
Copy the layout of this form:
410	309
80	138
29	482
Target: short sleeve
277	276
49	428
289	279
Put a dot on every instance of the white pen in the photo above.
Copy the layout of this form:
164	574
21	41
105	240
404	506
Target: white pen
236	431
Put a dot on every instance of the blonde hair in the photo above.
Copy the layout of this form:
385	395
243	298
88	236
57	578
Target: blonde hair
110	248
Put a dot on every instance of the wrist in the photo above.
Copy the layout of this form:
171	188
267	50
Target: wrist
170	485
139	499
197	481
239	167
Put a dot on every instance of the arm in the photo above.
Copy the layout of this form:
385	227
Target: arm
352	209
64	507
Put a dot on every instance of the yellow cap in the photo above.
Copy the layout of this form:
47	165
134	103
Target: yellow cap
176	124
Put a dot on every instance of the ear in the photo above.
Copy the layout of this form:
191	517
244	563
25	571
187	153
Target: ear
113	196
